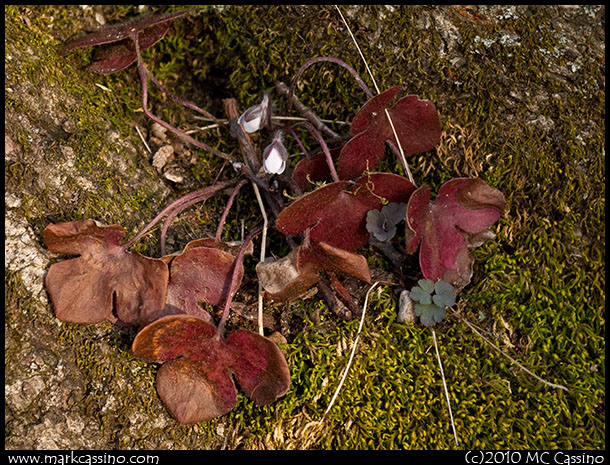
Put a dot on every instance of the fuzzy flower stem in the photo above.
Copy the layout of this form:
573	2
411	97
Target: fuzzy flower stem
199	195
223	218
352	71
180	100
290	131
234	274
144	73
329	158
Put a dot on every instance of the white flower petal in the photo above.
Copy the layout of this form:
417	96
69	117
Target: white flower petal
274	163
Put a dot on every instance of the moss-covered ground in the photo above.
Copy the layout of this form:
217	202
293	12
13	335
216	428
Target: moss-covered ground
521	94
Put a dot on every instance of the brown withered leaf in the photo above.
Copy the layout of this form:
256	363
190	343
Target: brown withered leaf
105	281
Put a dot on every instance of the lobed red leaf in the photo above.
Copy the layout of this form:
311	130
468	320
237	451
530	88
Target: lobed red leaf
196	384
446	228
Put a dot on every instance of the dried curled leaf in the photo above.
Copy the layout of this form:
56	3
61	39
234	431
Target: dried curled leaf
289	277
445	228
106	281
196	384
416	122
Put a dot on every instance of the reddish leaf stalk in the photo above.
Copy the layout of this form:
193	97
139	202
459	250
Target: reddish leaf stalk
234	276
173	214
180	100
329	158
200	194
299	141
144	73
223	218
352	71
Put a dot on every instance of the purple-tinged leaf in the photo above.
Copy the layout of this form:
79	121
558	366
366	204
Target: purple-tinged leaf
313	169
151	29
192	393
259	366
83	289
445	228
117	32
416	123
336	215
199	275
119	56
196	384
309	209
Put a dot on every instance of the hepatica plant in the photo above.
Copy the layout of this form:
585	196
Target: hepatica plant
339	205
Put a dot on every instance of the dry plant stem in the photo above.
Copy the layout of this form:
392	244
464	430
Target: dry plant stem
359	51
487	341
199	195
144	73
338	61
233	284
262	256
351	357
402	158
440	364
337	307
305	111
401	151
143	140
223	218
250	155
222	122
329	158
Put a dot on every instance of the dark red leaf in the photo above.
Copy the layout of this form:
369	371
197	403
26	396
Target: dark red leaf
191	393
200	275
313	169
259	366
119	56
335	260
117	32
308	210
444	229
336	215
83	289
196	384
416	123
151	29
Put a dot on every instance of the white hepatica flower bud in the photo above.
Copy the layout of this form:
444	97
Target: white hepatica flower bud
254	117
275	155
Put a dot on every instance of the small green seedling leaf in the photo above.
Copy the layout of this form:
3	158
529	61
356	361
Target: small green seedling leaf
430	314
426	285
420	295
444	294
